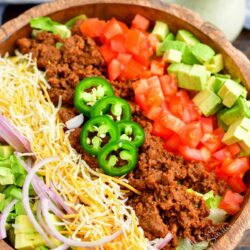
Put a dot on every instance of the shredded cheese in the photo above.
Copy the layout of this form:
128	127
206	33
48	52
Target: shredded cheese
98	200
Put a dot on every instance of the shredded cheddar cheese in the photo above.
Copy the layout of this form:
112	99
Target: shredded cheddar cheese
98	199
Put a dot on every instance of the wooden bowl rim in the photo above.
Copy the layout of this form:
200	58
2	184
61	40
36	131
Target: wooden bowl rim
231	238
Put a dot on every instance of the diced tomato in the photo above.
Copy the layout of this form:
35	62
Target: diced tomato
190	112
140	99
144	54
212	164
157	67
231	202
168	84
176	106
123	26
191	134
140	22
190	153
153	112
124	58
173	123
237	184
173	143
160	130
92	27
112	29
234	149
133	41
140	87
237	167
206	154
213	141
220	174
107	53
207	125
153	41
114	69
117	44
132	70
154	95
222	154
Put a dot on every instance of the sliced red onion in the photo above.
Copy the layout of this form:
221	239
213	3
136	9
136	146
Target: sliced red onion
164	241
1	139
26	202
62	247
3	218
75	122
73	243
12	136
40	187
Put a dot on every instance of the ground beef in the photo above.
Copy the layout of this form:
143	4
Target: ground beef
163	178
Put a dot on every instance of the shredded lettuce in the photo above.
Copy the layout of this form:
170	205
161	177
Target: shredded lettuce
217	215
45	23
185	244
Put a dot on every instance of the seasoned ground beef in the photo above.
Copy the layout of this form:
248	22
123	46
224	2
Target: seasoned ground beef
163	178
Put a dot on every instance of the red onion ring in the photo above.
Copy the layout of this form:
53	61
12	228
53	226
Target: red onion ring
12	136
26	203
3	218
41	188
70	242
164	241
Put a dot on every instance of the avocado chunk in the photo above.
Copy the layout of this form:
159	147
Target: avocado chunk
198	77
167	45
5	152
188	57
245	143
6	176
238	111
160	30
28	241
160	46
237	131
230	92
202	52
214	83
23	225
2	197
186	37
172	56
215	64
208	102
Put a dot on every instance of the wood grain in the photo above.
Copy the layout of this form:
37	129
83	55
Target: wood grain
177	17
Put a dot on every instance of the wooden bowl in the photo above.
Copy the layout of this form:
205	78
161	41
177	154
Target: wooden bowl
177	18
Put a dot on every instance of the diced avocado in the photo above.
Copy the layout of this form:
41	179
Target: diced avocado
5	152
55	220
230	92
23	225
6	176
42	248
188	57
245	143
30	241
183	76
202	52
238	111
160	30
226	76
159	46
214	83
172	56
186	37
19	208
237	131
215	64
198	77
167	45
207	101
